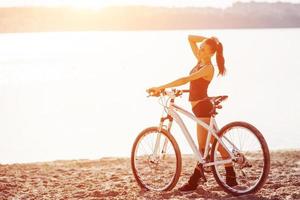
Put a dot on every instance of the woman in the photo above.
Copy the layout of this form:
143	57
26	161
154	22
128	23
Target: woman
199	78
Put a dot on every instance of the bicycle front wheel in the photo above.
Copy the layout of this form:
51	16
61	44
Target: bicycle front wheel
251	161
156	160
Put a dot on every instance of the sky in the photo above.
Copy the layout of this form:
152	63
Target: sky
103	3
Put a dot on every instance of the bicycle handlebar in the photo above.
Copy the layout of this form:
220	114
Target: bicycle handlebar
216	100
173	92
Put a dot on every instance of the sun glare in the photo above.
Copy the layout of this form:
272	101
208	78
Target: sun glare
91	4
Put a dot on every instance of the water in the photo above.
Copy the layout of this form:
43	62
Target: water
82	95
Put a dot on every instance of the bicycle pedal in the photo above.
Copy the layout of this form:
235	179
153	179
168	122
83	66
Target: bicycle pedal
207	169
201	170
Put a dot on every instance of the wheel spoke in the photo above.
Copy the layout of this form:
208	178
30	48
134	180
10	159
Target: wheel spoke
149	169
249	163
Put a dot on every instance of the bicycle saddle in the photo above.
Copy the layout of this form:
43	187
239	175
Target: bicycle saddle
217	99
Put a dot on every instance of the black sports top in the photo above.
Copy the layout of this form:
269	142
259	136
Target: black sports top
198	87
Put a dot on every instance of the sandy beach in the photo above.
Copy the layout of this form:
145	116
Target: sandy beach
111	178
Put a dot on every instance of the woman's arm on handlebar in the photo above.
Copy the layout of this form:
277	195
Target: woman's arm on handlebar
177	82
205	71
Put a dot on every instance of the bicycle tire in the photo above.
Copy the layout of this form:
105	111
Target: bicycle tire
175	179
266	158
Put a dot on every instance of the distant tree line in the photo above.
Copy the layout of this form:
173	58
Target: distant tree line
240	15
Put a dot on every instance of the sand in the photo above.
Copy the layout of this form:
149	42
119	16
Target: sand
111	178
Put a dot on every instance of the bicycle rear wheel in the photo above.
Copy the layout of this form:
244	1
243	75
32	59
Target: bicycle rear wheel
252	159
157	168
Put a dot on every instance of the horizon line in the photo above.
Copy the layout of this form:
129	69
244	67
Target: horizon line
98	5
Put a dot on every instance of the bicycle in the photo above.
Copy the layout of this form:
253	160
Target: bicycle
155	149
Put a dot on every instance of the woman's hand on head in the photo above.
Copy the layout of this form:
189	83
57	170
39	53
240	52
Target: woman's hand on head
215	39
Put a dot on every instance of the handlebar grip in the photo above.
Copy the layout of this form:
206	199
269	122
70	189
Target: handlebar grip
219	106
152	94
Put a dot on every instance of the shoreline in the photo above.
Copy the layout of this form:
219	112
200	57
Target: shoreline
146	30
117	157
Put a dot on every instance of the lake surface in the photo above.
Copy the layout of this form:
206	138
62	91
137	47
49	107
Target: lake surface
81	95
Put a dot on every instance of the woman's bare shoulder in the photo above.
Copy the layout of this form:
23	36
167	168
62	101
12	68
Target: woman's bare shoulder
196	68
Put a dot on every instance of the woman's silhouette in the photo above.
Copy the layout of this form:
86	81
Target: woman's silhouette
199	78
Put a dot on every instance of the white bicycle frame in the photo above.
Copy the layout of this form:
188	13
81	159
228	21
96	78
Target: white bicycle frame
212	130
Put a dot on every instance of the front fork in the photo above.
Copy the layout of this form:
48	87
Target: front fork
158	138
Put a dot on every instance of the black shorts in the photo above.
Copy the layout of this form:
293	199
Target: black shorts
203	109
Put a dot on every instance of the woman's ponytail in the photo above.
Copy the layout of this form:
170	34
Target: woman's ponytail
220	59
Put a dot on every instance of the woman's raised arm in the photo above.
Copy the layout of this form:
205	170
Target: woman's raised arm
193	39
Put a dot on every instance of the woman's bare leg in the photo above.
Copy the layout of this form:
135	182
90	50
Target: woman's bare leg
202	136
